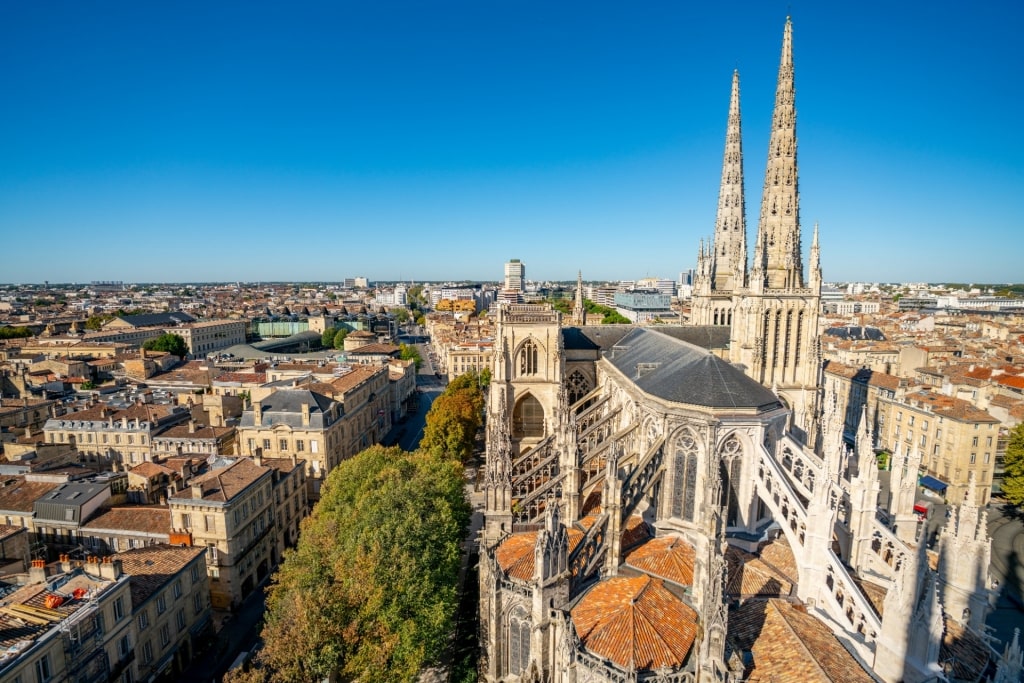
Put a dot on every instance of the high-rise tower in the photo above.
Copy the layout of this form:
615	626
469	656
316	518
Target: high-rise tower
722	268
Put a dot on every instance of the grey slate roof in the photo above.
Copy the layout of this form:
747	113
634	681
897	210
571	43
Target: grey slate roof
675	370
153	319
284	406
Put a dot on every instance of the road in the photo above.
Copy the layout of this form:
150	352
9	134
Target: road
1006	529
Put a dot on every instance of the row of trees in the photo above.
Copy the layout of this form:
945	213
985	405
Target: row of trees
1013	466
19	332
609	316
370	591
455	417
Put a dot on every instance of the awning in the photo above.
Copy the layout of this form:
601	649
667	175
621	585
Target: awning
932	483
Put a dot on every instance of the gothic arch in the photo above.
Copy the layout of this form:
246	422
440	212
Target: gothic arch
527	417
731	456
577	386
684	469
517	629
529	358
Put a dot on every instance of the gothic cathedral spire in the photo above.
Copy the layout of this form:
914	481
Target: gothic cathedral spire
777	260
729	255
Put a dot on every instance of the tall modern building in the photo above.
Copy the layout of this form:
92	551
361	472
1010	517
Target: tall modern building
515	275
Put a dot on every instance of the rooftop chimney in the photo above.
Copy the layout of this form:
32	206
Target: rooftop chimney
257	412
191	426
197	490
305	414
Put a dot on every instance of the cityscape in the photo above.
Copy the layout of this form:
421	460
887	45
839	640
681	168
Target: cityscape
284	406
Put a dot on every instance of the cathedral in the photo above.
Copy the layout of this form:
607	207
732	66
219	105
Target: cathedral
677	503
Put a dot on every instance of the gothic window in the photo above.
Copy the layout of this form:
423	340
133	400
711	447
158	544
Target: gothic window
528	358
528	418
518	641
685	466
732	465
577	385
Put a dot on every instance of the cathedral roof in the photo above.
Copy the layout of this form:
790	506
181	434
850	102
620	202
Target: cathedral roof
750	575
788	645
515	554
635	622
668	557
677	371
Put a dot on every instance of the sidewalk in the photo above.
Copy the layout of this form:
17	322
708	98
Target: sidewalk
239	633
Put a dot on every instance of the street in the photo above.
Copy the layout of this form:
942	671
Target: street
1006	529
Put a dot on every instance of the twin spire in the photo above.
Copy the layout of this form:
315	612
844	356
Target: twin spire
777	262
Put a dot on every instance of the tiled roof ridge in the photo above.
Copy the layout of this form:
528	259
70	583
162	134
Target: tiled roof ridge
796	636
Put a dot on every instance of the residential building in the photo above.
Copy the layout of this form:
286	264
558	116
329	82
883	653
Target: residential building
300	422
170	607
75	625
210	336
124	528
229	511
954	439
114	437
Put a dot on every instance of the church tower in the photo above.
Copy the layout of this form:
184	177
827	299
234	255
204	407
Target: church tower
722	267
775	323
579	309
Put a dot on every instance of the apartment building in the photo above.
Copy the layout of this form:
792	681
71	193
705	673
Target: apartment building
307	424
188	438
170	607
229	511
210	336
118	438
856	389
75	625
954	438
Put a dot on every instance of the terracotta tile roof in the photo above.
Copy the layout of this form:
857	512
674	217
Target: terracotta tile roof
873	592
150	470
147	520
790	646
635	622
635	531
515	554
19	495
778	555
668	557
242	377
153	567
223	484
967	655
749	575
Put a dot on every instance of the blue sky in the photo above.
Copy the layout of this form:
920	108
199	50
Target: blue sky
435	140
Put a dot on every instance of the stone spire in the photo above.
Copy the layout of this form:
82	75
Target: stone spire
579	310
814	270
777	261
498	470
1012	661
965	553
729	255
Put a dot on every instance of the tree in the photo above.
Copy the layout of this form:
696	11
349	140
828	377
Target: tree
339	337
19	332
169	342
95	322
327	338
454	419
411	353
369	592
401	315
1013	466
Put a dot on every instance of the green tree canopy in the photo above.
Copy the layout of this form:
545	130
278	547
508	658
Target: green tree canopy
19	332
339	337
454	419
369	593
169	342
410	352
401	314
327	338
1013	465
